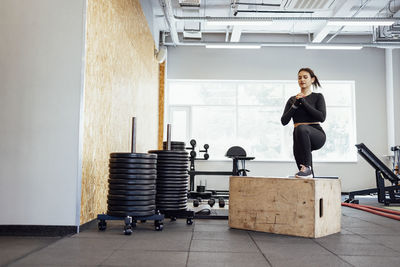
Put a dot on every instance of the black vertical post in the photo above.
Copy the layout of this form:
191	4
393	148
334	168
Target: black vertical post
168	136
133	141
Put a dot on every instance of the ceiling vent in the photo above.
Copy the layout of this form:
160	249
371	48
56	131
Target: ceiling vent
306	4
189	3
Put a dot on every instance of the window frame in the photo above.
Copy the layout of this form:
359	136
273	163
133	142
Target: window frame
352	106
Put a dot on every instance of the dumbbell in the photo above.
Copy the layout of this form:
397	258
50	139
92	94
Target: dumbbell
211	202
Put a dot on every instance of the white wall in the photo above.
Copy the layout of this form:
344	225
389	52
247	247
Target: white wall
41	47
396	89
366	67
149	14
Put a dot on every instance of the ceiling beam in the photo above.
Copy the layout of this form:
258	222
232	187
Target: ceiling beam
236	33
343	10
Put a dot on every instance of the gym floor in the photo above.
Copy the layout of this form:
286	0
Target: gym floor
365	240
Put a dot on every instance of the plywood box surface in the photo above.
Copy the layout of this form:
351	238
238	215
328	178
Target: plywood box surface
290	206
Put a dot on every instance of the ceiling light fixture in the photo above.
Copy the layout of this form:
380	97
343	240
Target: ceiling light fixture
239	22
363	22
233	46
335	47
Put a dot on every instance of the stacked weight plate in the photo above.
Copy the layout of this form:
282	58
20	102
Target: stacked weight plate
175	145
172	179
132	184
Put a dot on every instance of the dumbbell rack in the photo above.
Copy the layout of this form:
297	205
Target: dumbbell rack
130	221
208	194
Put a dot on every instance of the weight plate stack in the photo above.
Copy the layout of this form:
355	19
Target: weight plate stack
132	184
172	178
175	145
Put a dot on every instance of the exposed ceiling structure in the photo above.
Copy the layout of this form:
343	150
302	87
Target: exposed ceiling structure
308	23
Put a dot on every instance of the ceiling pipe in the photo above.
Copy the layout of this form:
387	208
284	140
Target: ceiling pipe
171	21
377	19
290	44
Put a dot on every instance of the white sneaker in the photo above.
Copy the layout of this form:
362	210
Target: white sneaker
305	172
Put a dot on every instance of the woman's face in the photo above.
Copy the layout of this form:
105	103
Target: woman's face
304	79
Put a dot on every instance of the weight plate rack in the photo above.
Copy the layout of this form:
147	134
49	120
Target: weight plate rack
172	181
132	188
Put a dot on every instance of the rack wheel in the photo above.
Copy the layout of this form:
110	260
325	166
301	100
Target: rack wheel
102	225
158	226
128	231
386	202
189	221
173	219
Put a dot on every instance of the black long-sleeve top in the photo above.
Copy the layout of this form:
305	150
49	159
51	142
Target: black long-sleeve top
311	109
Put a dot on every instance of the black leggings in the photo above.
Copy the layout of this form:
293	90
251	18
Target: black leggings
307	138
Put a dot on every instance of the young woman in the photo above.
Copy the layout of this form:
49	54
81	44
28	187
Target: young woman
307	110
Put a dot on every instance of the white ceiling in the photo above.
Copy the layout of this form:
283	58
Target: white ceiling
294	21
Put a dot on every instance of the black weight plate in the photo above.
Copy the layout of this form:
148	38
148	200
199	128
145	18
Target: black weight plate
132	192
175	191
133	155
131	203
171	200
172	169
168	152
171	197
171	209
134	161
172	164
160	183
131	198
182	193
181	201
131	181
175	142
173	177
131	187
173	156
172	186
132	166
167	198
171	182
132	171
163	172
131	208
132	214
172	160
133	176
174	207
170	205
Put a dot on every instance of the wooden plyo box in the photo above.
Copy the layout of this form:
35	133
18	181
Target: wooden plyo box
290	206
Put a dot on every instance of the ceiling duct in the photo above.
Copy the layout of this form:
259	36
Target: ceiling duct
189	3
387	33
306	4
191	29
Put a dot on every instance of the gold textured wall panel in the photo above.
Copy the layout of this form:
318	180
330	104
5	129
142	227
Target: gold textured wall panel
161	86
121	81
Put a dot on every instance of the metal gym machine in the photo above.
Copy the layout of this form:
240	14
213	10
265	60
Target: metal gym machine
386	194
236	153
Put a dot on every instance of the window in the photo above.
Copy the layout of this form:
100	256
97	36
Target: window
247	114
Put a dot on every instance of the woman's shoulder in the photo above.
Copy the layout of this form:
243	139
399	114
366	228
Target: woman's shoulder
318	94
